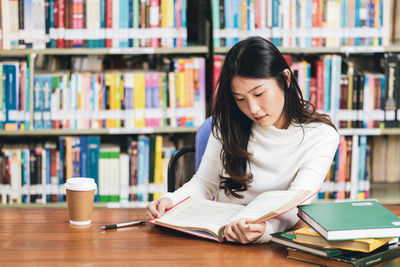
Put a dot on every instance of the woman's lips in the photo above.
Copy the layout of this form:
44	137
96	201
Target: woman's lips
260	117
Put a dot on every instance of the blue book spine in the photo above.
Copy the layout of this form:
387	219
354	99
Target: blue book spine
216	21
10	88
357	20
27	94
381	19
37	112
184	20
136	12
383	92
51	23
308	76
228	21
371	20
362	162
275	21
60	170
366	92
156	96
146	166
327	83
248	14
102	42
175	20
47	90
308	20
25	178
83	156
124	20
130	22
93	152
148	95
235	18
141	165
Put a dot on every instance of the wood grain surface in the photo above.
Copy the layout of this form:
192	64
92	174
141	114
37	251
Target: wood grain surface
43	237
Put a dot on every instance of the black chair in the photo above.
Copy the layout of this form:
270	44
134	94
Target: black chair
202	135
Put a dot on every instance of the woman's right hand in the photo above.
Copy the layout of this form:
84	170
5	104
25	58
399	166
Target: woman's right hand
157	207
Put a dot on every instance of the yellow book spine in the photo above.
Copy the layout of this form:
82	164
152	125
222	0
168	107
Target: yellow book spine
139	99
158	179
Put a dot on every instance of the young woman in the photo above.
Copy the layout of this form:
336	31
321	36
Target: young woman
265	137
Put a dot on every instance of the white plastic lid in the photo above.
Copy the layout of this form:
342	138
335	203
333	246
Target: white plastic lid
80	184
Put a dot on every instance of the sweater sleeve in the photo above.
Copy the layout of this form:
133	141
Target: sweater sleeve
310	176
312	173
205	182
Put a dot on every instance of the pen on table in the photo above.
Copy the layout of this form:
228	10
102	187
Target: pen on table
118	225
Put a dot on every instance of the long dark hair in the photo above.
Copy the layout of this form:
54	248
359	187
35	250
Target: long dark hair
253	57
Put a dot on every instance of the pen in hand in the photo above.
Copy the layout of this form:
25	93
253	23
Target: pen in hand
118	225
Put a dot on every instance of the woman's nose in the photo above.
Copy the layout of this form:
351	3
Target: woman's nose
254	107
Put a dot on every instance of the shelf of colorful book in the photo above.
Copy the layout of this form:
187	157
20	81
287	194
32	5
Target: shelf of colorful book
395	48
105	51
116	131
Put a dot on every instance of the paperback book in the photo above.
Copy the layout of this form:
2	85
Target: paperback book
207	219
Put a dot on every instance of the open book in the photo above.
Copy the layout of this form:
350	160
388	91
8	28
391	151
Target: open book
206	218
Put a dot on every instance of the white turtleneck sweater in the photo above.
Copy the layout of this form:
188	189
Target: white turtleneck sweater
282	159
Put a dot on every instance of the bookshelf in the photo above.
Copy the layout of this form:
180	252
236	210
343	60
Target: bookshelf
169	48
361	36
202	34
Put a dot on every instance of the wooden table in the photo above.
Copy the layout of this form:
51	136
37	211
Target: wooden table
43	237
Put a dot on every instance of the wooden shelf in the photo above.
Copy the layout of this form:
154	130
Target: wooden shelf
114	131
105	51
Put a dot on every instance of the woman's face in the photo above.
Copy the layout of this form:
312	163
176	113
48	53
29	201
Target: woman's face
261	100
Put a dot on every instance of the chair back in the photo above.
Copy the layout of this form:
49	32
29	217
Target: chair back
202	135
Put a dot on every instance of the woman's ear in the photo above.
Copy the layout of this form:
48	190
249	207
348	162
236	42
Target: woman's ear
286	73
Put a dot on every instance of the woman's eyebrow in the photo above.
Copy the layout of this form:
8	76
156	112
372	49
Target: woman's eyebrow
252	89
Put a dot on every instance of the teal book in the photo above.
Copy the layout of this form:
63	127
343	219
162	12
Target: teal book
351	220
287	239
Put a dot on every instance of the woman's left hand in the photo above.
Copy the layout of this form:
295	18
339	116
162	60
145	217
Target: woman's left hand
243	231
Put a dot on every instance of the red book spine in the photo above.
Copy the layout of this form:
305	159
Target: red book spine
60	23
313	91
134	166
108	21
316	21
154	21
320	85
77	21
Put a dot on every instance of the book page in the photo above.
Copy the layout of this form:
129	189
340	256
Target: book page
198	213
271	203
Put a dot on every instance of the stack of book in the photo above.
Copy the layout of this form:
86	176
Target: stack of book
351	233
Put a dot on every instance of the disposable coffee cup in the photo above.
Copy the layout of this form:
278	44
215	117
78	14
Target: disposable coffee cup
80	196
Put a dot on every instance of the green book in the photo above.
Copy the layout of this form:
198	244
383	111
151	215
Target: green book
357	259
287	239
351	220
